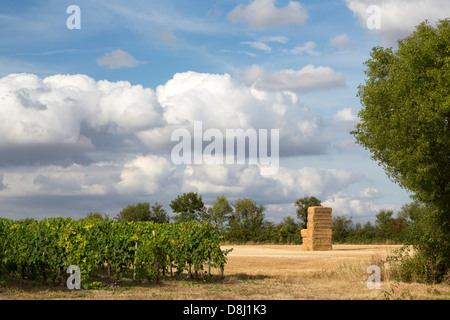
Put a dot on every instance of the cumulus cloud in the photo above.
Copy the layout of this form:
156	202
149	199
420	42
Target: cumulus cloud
58	117
262	14
314	181
65	119
111	184
72	136
118	59
306	79
398	17
222	102
358	207
146	175
236	180
73	180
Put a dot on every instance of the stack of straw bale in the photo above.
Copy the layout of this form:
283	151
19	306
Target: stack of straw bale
317	235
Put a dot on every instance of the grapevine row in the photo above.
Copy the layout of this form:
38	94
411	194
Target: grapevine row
45	248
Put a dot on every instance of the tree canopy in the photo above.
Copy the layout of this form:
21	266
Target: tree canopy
143	212
406	112
220	212
247	219
405	125
189	207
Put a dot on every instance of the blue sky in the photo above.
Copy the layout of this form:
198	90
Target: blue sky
86	115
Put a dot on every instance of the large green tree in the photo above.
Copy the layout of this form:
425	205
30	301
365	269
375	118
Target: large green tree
406	112
404	123
219	213
188	206
247	221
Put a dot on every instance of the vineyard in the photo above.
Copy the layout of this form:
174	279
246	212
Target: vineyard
44	249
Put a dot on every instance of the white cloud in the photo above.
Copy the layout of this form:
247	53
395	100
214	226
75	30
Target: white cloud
368	194
356	207
118	59
279	39
131	107
73	118
65	117
146	175
30	114
314	181
237	180
74	180
149	175
156	175
258	45
308	78
399	17
253	74
340	41
224	103
345	115
85	138
344	119
308	47
262	14
214	179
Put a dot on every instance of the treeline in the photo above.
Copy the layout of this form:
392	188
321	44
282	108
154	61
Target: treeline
244	221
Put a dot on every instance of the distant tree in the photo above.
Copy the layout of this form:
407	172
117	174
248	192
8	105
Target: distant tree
389	228
220	213
189	207
247	221
95	216
143	212
269	234
302	205
139	212
158	214
342	228
356	236
383	224
368	231
288	231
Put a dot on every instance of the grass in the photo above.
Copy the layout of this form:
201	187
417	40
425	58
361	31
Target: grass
263	272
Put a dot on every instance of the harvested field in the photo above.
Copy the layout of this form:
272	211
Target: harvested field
264	272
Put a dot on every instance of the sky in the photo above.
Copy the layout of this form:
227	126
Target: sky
91	95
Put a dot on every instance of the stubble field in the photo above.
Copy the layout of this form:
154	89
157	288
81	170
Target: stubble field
264	272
